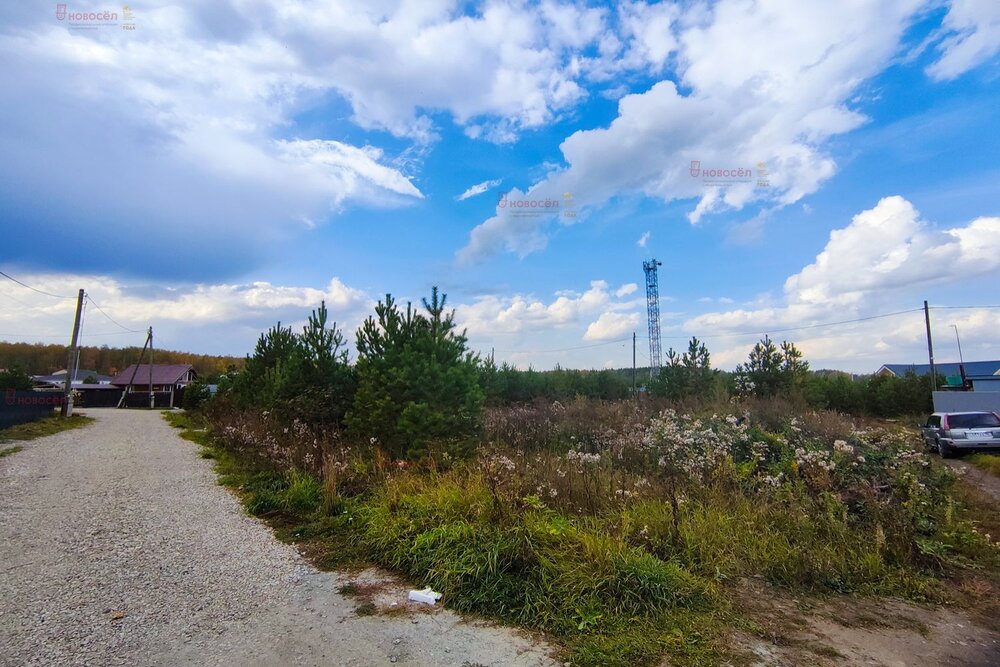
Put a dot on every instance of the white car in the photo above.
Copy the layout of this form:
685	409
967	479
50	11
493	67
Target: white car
952	433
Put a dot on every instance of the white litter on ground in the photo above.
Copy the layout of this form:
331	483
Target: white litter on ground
426	596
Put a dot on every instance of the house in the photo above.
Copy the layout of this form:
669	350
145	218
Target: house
982	375
57	380
168	380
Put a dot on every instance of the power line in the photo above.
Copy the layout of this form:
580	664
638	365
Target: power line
13	298
101	333
111	319
756	332
731	334
567	349
801	328
35	289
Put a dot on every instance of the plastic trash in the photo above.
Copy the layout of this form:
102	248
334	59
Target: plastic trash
427	596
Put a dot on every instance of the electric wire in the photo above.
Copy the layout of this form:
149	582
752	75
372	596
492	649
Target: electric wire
14	298
803	327
35	289
102	333
727	335
111	319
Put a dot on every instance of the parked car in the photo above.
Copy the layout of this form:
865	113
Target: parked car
952	433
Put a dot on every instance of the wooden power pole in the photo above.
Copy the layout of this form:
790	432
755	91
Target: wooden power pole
74	355
135	371
930	348
152	396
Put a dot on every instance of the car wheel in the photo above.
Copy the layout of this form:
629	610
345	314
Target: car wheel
946	451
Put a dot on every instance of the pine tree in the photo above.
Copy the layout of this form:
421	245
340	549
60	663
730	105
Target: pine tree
418	385
772	370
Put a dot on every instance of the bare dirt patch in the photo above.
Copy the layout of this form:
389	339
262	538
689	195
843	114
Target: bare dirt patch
852	630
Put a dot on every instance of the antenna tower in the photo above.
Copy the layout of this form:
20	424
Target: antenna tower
653	315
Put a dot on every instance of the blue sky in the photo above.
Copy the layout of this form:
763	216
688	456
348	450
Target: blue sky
209	170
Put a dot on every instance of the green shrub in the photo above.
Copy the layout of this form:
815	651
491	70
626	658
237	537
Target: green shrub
417	382
195	395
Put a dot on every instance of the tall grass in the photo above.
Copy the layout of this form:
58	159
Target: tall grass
619	531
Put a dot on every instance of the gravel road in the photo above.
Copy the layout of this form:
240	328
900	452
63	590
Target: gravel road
118	548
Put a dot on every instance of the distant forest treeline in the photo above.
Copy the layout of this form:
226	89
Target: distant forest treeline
38	359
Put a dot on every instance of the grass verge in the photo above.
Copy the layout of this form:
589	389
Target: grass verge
616	587
42	427
988	462
605	600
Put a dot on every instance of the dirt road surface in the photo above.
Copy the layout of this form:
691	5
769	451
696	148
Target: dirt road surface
987	483
117	547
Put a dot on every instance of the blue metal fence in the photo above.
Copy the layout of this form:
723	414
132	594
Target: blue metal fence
19	407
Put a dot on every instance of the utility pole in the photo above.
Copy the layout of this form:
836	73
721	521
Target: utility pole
128	388
930	348
961	359
74	353
633	363
152	396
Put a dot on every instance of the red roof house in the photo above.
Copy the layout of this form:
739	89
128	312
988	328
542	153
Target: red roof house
166	378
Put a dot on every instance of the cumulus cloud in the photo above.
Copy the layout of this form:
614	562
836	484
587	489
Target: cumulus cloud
479	188
170	126
224	318
643	240
501	69
869	267
890	247
191	122
511	314
612	325
765	86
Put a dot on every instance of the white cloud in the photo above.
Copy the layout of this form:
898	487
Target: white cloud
224	318
764	82
612	325
179	129
972	29
506	67
874	265
478	189
517	231
492	314
347	168
890	247
643	240
626	289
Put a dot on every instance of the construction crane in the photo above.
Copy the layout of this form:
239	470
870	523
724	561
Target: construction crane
653	315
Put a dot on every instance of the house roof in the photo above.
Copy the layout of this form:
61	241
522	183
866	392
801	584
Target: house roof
59	377
972	368
162	374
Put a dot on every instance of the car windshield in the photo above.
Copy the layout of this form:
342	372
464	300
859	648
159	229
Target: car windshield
980	420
